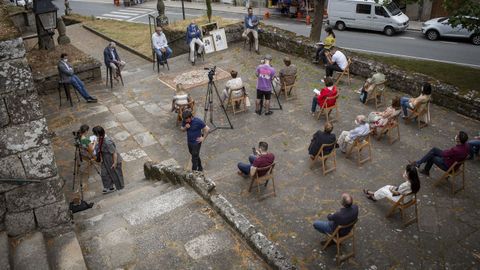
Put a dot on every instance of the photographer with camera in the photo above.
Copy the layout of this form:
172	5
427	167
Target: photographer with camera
260	158
111	161
197	132
265	73
81	140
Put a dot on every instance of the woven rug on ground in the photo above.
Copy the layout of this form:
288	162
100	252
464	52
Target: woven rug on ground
192	78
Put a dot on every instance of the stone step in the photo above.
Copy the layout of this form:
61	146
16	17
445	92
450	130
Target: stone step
132	194
4	251
30	252
64	252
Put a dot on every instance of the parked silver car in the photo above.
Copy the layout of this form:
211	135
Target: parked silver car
439	27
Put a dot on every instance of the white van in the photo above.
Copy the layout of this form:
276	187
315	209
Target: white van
366	14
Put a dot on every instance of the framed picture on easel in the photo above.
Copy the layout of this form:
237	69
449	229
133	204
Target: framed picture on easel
219	39
207	28
208	42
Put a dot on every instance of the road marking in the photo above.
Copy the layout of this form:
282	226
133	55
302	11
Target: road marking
124	13
141	9
407	37
105	18
141	16
449	42
116	16
132	11
413	57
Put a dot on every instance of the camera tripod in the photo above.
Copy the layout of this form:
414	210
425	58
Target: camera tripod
78	159
209	103
276	96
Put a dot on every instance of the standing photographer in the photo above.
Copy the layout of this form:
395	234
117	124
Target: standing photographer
197	132
83	140
111	161
265	73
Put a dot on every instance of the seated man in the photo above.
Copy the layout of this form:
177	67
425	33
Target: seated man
160	45
346	215
251	26
370	84
67	75
411	103
194	36
337	61
287	74
347	137
112	60
180	98
444	159
320	138
235	84
260	158
329	90
474	146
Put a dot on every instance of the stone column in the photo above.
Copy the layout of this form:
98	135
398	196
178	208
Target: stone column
26	152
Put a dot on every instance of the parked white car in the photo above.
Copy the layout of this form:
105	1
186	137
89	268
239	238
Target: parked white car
440	27
20	2
366	14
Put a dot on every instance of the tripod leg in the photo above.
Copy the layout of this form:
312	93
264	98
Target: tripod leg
221	105
207	104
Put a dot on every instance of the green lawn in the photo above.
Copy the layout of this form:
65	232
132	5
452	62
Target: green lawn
465	78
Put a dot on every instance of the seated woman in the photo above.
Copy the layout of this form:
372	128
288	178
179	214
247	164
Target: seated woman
181	98
411	185
235	84
380	119
411	103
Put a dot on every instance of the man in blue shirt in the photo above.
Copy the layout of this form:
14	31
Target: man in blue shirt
197	131
251	26
194	36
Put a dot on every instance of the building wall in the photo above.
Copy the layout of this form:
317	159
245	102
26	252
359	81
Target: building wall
26	152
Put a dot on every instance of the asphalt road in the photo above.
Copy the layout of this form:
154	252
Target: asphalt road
411	44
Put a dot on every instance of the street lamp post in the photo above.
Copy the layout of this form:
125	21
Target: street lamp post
46	20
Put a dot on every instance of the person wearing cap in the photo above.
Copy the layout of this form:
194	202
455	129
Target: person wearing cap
197	132
112	59
287	74
265	73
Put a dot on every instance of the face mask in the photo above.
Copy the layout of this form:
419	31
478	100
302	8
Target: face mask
356	122
65	59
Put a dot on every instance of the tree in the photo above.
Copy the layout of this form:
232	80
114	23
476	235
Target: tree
209	9
316	30
464	12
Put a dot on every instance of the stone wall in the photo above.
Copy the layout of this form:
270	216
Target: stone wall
205	187
443	94
26	152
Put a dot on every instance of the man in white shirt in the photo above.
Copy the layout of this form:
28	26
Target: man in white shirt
337	61
234	84
347	137
160	45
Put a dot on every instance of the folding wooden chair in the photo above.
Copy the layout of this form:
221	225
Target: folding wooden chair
358	144
402	206
450	175
321	156
345	72
233	101
182	108
263	180
422	110
376	94
389	128
338	240
290	89
328	110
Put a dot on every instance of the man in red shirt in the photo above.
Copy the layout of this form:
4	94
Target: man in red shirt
444	159
329	90
261	158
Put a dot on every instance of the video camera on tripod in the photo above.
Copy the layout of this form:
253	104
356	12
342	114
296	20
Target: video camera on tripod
211	73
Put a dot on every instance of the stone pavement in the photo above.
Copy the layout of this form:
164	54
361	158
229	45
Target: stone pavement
138	118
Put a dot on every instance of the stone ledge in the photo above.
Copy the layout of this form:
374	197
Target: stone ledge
443	94
12	49
205	187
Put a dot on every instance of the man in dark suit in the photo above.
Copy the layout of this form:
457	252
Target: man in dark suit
111	59
320	138
346	215
67	75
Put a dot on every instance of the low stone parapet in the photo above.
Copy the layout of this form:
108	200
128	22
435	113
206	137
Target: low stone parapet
205	187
